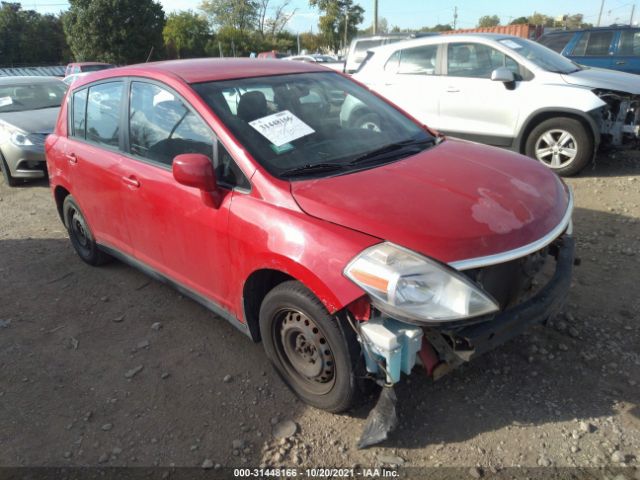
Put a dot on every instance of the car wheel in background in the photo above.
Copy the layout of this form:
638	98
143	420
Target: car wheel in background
80	234
315	354
12	182
562	144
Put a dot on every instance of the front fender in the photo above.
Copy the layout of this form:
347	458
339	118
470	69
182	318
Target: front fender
308	249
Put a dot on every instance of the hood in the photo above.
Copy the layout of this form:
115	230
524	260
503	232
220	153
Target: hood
32	121
455	201
604	79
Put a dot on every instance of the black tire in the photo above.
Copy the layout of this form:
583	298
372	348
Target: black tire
549	135
80	234
6	173
331	382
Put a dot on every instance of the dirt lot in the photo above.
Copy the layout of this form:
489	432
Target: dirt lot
70	335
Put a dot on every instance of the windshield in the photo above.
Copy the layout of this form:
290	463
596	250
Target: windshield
34	96
312	124
542	56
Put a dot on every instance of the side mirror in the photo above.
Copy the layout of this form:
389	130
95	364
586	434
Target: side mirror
503	74
195	170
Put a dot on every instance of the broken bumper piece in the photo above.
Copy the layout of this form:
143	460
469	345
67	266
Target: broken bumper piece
392	347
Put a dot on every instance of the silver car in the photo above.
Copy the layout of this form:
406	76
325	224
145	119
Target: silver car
29	109
505	91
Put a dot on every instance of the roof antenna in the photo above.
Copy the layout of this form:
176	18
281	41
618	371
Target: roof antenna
149	56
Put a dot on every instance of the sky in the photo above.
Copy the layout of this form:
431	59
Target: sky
413	14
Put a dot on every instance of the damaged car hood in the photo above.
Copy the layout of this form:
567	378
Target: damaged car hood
455	201
604	79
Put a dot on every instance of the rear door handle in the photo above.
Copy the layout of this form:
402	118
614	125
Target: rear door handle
621	62
72	158
131	181
453	89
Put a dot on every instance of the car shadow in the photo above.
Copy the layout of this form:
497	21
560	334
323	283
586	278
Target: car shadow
613	163
77	332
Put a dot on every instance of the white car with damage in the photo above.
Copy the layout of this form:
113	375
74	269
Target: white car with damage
504	91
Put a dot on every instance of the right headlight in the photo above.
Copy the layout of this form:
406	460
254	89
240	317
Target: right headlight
21	139
408	286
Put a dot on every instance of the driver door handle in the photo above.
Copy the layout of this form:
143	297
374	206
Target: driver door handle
131	181
72	158
452	89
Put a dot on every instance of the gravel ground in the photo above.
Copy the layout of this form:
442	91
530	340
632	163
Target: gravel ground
104	366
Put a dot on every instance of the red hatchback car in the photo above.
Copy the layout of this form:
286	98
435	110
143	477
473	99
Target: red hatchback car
350	251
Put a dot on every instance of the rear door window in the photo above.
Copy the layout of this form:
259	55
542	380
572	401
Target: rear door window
413	61
593	44
103	113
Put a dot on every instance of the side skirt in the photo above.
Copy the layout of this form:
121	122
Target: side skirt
187	292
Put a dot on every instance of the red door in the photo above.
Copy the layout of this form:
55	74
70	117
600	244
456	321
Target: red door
95	165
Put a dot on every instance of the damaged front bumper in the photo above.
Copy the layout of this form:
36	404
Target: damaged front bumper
619	120
391	347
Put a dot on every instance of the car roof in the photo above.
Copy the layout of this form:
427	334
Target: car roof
209	69
27	80
430	40
610	27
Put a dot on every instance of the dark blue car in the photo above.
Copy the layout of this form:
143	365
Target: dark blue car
615	47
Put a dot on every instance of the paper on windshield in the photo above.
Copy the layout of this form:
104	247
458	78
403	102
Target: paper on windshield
510	44
282	127
4	101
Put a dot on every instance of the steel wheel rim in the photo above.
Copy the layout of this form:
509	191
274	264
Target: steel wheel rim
304	351
556	148
79	230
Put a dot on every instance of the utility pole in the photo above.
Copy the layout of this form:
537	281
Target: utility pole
600	14
375	17
346	24
455	17
633	10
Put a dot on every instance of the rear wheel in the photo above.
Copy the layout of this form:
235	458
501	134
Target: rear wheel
6	173
316	355
80	234
562	144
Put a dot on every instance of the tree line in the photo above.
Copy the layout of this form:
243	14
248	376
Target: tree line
131	31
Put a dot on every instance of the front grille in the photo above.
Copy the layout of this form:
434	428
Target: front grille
38	139
511	282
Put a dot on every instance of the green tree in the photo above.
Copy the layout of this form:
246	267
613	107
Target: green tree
541	19
335	13
116	31
186	35
241	15
29	38
488	21
520	21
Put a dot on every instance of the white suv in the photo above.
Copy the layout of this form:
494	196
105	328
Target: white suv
505	91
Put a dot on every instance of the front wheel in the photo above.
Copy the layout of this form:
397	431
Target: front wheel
316	355
562	144
11	181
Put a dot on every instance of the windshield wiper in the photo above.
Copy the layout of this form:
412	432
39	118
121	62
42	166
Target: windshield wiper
393	148
311	168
